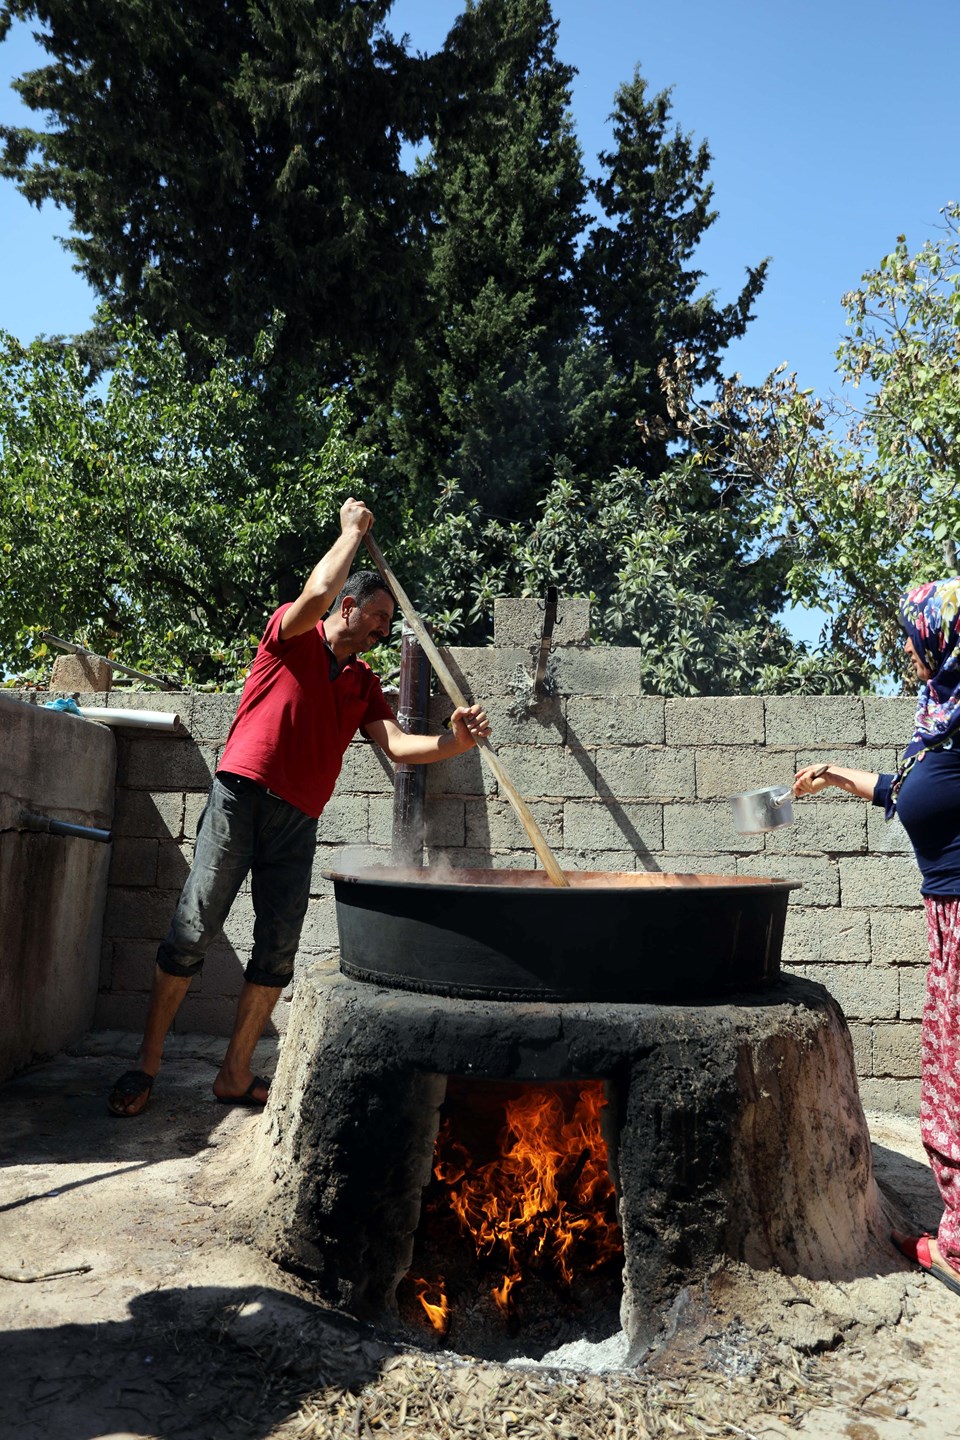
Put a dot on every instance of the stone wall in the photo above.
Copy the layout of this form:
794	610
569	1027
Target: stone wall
617	780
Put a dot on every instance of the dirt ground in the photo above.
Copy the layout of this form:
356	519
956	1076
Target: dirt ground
163	1323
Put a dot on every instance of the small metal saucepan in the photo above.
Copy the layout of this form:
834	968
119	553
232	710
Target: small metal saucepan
755	811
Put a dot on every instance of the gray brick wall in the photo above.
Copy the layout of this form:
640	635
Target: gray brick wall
616	779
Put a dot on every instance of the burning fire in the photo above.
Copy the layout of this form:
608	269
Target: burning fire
544	1204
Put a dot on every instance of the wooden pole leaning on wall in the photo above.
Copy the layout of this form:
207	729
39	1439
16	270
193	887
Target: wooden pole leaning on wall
545	855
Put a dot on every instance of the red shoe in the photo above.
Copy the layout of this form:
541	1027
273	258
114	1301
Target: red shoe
917	1249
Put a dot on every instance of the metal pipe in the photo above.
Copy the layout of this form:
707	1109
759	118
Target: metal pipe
163	682
143	719
410	781
549	620
29	821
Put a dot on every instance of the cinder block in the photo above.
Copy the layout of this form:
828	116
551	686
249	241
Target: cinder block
484	859
731	720
822	829
913	991
134	914
899	937
886	837
707	827
519	622
194	805
550	772
379	820
862	1038
139	813
826	937
133	965
366	770
863	992
222	973
819	876
344	820
482	673
694	864
875	881
133	862
890	1097
212	716
516	723
873	760
604	862
724	771
814	720
165	764
889	719
320	925
645	771
444	822
599	670
173	864
238	927
125	1012
495	825
80	672
464	774
205	1015
614	720
896	1050
603	825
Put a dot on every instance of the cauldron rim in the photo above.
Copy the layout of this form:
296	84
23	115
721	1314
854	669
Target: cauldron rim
614	881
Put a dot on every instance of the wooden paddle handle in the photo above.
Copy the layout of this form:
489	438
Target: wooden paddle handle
546	856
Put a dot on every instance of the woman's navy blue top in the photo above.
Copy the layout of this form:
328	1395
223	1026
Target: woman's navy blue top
929	809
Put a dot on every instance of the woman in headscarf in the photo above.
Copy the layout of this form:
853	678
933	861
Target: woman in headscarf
925	795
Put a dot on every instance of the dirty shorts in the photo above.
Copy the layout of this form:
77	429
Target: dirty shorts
245	829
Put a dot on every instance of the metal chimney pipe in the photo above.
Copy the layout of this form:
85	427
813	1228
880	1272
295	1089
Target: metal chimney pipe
410	781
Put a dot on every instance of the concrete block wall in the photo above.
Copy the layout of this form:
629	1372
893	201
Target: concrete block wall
618	780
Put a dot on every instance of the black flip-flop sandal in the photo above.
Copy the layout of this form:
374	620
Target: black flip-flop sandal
132	1083
247	1098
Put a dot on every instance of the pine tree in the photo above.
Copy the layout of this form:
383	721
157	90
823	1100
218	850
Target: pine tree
641	287
480	408
222	162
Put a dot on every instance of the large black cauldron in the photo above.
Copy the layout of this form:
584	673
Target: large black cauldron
512	935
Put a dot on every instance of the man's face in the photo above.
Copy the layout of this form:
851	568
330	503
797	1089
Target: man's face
369	623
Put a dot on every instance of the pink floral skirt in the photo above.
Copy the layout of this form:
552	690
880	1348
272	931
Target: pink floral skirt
940	1066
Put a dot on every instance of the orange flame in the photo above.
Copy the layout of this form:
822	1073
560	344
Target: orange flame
437	1311
546	1201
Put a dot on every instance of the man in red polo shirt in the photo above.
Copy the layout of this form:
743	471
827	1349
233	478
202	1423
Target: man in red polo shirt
306	696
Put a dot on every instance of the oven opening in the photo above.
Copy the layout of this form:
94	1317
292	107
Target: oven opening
519	1249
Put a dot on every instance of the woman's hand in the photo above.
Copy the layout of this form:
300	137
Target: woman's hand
812	780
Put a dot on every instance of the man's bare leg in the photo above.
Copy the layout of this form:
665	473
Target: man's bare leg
166	997
235	1077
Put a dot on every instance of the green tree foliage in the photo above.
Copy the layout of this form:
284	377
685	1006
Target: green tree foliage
658	564
223	162
479	403
861	497
643	292
150	519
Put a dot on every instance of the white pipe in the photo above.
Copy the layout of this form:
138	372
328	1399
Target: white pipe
144	719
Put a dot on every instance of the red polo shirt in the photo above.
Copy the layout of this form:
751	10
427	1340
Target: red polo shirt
294	723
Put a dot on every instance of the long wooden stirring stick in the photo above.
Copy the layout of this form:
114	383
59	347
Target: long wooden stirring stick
547	858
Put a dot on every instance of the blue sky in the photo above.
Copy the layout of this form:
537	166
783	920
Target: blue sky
834	127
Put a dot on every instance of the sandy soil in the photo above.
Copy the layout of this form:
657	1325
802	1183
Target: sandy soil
165	1323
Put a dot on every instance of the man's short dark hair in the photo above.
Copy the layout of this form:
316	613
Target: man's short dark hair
361	586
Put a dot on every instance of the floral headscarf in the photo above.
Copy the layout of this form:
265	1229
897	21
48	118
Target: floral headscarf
930	615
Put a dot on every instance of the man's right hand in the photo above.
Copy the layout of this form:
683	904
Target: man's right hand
355	518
